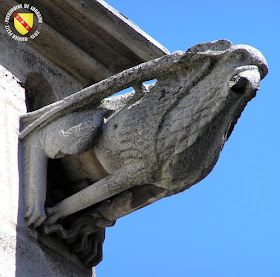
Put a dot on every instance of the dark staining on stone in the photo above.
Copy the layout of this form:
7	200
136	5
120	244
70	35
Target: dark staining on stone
240	85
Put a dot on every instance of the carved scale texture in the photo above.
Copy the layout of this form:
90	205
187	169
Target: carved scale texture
197	105
139	128
142	128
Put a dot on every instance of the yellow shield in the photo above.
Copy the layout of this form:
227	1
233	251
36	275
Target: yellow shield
23	22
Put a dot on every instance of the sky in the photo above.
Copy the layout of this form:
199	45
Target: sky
228	224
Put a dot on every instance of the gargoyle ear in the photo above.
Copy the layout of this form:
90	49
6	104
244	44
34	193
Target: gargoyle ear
211	47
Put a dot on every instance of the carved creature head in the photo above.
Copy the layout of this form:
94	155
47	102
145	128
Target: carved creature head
215	85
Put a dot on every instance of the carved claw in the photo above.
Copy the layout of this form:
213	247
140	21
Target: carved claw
35	216
85	237
91	254
53	215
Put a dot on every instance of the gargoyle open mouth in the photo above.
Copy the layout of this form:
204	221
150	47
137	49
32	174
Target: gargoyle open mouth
244	82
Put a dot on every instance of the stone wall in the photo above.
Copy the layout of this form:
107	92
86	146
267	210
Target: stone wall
21	254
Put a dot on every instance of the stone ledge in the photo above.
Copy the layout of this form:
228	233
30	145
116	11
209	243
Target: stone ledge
89	39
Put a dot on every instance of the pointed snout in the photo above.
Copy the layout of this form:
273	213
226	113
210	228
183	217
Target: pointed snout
254	68
248	77
251	56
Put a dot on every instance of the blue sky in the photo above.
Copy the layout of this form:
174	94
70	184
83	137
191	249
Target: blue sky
228	224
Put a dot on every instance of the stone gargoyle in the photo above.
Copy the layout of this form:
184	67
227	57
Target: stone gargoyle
136	148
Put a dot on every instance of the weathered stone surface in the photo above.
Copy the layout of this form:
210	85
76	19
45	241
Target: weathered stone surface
152	143
59	62
101	42
29	65
20	253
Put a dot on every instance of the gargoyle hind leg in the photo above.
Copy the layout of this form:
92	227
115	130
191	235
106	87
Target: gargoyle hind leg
35	180
121	180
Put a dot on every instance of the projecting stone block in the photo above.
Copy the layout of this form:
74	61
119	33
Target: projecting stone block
119	154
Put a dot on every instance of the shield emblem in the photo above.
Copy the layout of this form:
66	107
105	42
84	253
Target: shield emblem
23	22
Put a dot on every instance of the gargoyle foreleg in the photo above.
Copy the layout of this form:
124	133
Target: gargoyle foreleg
35	180
121	180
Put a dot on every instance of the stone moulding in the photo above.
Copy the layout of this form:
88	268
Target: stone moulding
119	154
